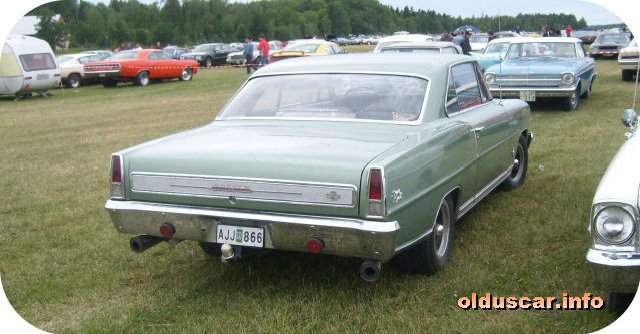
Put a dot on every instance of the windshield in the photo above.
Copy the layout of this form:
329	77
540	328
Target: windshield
125	55
63	59
497	48
613	39
203	48
479	39
311	48
330	96
542	49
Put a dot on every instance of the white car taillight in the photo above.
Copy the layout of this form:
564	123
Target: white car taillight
376	193
116	177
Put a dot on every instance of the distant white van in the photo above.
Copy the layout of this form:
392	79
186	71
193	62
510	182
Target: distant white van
27	65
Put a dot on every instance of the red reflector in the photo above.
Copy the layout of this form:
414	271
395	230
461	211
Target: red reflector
167	230
375	184
116	170
315	245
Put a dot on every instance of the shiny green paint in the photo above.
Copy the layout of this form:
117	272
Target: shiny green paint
425	161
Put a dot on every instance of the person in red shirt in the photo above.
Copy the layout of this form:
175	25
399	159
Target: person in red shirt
568	30
263	47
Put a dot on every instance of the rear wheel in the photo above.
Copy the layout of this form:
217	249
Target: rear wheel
432	253
571	103
627	75
187	74
73	81
520	166
142	79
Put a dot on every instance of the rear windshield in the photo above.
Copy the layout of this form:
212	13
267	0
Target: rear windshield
125	55
38	62
330	96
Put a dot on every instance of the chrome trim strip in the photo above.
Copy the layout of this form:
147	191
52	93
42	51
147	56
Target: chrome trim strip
384	188
465	207
210	186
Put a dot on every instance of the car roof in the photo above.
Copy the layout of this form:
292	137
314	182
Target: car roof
409	64
544	39
405	38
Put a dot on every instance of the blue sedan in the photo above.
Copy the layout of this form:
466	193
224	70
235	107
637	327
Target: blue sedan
550	67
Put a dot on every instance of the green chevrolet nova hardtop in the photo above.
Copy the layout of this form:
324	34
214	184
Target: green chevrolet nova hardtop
373	156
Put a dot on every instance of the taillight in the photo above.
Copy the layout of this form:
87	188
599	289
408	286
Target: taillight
375	184
376	193
116	169
116	177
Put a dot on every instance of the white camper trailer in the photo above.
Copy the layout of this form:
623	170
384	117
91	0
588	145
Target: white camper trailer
27	66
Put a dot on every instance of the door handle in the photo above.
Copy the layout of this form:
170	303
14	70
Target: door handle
477	131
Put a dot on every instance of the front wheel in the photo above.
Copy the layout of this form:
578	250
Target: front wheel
142	79
208	62
571	103
432	253
187	74
520	166
74	80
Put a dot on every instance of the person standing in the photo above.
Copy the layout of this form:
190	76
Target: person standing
568	30
263	47
248	54
465	44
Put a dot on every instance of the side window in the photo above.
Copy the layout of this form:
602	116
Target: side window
580	51
151	56
452	97
160	55
464	79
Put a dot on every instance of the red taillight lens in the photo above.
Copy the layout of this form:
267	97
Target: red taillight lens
375	184
315	245
116	169
167	230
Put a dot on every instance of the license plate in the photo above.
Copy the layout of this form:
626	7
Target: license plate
528	95
240	235
101	75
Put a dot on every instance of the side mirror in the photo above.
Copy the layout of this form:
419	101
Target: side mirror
629	118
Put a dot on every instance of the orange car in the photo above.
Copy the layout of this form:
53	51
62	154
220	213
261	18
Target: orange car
140	66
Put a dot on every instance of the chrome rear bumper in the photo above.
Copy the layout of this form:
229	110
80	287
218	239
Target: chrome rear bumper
615	271
346	237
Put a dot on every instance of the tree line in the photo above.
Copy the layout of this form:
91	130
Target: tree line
190	22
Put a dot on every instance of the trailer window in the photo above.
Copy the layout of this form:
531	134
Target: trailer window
37	62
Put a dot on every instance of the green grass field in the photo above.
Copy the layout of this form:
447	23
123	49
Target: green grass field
65	268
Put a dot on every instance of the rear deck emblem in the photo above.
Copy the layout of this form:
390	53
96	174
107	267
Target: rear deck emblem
334	196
